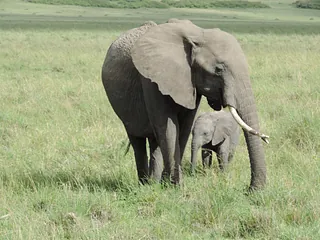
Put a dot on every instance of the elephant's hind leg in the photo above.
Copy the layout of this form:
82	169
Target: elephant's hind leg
206	158
140	154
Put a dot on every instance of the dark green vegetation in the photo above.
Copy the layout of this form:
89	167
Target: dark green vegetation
312	4
280	19
63	173
157	4
107	4
214	4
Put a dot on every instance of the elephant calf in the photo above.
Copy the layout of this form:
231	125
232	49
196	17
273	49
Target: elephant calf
215	131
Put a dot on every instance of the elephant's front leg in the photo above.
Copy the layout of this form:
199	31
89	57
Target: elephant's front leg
186	119
231	154
156	161
223	155
168	138
163	117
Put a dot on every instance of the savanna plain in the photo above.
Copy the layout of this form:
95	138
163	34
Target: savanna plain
63	171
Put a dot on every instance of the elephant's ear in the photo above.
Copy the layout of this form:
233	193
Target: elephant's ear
163	55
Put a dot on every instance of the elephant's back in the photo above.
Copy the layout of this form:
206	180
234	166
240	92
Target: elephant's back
118	65
125	41
122	84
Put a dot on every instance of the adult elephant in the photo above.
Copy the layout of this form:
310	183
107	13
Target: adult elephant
154	77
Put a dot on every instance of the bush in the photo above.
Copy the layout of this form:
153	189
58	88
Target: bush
312	4
107	4
156	4
214	4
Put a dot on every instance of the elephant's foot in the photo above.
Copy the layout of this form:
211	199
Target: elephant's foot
177	177
144	180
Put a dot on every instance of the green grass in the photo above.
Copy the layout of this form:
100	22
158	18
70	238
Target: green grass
63	173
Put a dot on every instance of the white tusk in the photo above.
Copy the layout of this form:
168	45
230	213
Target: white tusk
249	129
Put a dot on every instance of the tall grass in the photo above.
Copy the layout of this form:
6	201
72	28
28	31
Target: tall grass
64	175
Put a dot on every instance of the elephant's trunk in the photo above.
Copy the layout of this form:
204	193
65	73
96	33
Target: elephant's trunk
248	113
194	150
239	95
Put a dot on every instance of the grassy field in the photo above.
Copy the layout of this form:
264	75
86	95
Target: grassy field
282	18
63	173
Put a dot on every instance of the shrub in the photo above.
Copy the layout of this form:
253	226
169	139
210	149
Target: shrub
107	4
313	4
214	4
157	4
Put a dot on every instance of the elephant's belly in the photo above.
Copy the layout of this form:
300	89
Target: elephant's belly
136	120
126	98
134	116
210	147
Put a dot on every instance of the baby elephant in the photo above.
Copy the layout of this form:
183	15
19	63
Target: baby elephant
215	131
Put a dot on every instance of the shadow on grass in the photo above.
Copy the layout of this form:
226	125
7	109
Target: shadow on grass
74	180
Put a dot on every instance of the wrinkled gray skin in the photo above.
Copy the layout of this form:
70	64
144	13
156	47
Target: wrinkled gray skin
215	131
154	77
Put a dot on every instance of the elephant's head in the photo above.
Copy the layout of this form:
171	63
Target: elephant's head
203	131
202	135
213	128
185	60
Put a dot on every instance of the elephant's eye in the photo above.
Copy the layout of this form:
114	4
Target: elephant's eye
219	69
